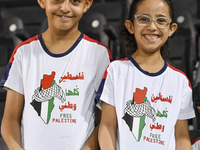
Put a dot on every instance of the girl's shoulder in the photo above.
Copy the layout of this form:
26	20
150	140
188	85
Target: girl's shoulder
120	62
120	65
177	73
175	70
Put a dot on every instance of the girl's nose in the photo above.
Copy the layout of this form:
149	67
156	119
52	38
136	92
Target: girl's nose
152	25
65	6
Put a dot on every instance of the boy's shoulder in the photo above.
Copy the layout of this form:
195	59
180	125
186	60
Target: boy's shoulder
87	38
28	41
98	44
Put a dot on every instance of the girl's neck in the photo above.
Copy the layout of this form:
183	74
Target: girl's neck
151	63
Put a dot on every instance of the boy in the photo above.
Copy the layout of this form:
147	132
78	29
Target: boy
51	80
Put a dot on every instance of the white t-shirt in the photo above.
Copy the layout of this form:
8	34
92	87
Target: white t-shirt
147	104
196	144
59	91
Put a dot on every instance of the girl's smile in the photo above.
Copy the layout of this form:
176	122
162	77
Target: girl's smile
151	37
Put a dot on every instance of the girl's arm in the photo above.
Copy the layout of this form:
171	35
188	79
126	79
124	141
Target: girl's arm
182	135
11	122
198	108
108	128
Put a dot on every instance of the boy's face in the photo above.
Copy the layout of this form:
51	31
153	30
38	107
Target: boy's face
64	14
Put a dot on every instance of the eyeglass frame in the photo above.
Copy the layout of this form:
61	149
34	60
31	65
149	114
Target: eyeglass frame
135	17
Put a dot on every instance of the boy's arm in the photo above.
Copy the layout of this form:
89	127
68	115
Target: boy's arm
92	142
182	135
108	128
11	122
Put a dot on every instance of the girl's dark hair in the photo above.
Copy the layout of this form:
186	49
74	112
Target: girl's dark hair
129	39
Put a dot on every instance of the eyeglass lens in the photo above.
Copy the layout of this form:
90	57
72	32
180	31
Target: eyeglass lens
145	21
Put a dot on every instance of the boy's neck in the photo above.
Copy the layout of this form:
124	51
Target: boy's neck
59	42
59	35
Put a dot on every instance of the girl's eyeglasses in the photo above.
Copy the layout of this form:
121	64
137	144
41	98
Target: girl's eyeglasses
160	22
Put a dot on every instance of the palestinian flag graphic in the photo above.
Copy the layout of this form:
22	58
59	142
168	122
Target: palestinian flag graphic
136	111
43	97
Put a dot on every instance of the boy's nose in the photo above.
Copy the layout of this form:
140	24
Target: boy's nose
65	6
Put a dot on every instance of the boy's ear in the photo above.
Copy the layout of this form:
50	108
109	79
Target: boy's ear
41	3
172	28
129	26
88	5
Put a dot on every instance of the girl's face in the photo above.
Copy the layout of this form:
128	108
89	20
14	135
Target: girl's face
151	38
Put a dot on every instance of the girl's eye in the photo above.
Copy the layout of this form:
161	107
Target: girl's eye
161	20
75	1
57	0
143	19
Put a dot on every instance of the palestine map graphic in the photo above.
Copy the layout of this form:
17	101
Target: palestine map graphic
43	97
136	111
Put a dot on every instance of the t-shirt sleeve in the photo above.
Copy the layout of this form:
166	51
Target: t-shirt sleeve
106	89
187	110
196	144
14	74
103	62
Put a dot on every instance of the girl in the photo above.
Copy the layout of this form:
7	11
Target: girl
145	101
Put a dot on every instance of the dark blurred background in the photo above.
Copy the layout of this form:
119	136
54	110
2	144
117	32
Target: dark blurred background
22	19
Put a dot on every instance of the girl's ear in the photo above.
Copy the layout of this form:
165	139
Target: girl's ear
88	4
172	29
129	26
41	3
